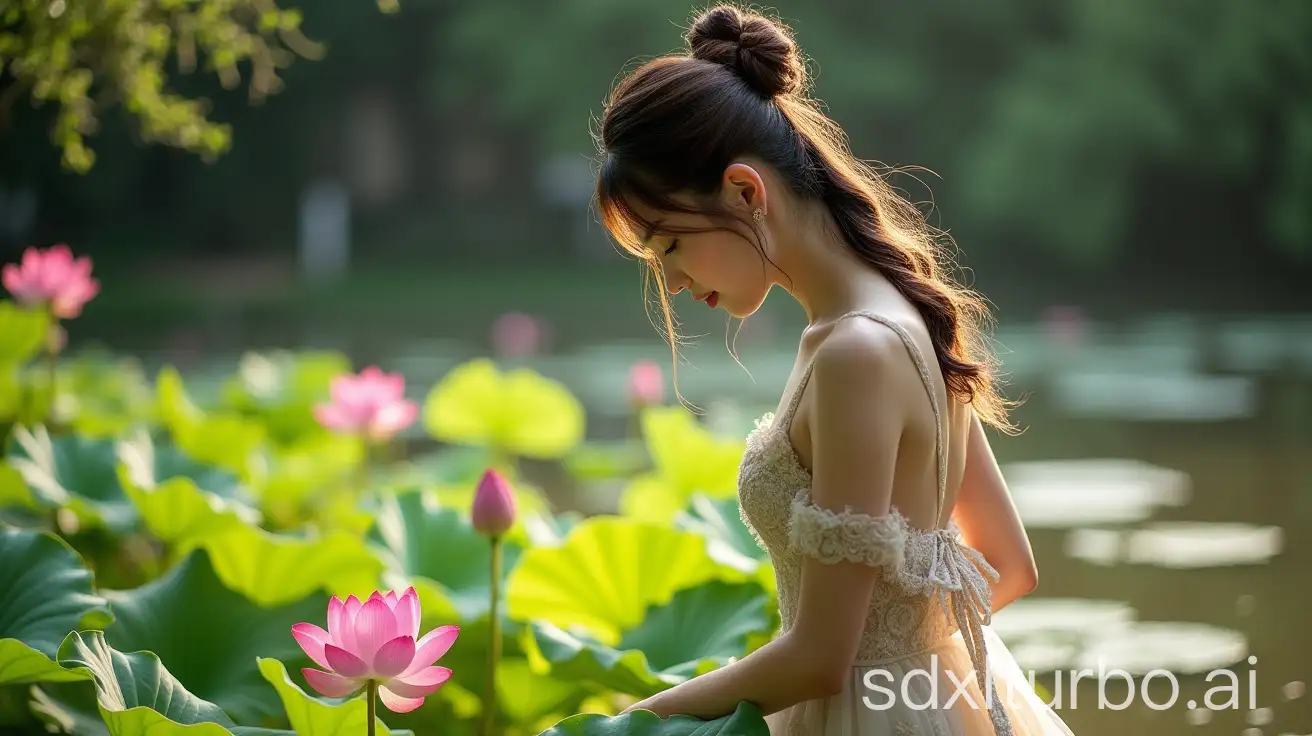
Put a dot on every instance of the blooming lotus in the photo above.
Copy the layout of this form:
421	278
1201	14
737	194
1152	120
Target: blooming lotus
372	404
646	383
374	642
52	277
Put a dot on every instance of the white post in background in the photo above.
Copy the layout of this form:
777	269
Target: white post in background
325	231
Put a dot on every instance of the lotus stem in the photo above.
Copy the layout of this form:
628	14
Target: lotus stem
494	647
52	371
371	697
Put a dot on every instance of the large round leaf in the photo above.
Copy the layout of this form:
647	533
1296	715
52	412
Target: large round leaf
131	693
78	473
45	592
103	395
226	440
448	562
210	636
606	574
689	459
746	720
700	629
519	412
275	569
311	715
166	489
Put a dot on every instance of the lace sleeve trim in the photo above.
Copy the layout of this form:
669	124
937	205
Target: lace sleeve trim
832	537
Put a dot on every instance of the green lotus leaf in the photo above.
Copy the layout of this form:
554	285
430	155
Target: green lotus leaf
447	561
606	574
14	492
77	473
23	332
520	412
192	500
689	459
45	592
301	472
746	720
281	387
102	395
135	692
224	439
528	697
210	635
311	715
720	520
700	629
598	460
275	569
12	396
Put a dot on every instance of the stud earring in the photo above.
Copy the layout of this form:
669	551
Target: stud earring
758	215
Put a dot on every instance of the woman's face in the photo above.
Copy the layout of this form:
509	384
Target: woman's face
720	267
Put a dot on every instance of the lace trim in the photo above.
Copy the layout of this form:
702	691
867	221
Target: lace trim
833	537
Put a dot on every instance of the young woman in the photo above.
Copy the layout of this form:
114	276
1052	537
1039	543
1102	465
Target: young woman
873	487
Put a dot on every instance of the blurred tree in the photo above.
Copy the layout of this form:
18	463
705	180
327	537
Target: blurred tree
1049	119
67	51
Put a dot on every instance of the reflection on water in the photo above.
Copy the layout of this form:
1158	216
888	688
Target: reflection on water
1071	493
1179	544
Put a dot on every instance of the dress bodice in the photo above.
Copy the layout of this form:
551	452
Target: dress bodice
931	584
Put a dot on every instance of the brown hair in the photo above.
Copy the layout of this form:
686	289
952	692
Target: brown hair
675	124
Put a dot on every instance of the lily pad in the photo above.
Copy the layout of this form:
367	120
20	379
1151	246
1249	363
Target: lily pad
746	720
606	574
210	636
447	561
519	412
78	473
699	630
320	717
689	459
45	592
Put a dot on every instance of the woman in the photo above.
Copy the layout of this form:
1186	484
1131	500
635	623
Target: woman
873	488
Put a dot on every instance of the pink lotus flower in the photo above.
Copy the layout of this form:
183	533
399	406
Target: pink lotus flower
372	403
517	335
375	641
52	277
494	505
646	383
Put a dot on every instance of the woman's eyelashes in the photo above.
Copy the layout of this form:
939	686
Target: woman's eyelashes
673	244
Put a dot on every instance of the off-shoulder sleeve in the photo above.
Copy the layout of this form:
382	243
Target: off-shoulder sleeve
832	537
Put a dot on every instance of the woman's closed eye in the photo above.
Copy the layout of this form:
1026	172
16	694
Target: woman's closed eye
673	244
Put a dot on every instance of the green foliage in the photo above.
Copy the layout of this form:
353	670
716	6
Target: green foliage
171	500
77	54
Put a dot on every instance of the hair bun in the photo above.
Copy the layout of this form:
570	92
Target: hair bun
760	50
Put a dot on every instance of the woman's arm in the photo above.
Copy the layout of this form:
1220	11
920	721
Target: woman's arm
856	424
990	523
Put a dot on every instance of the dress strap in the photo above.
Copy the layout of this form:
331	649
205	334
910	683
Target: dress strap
926	376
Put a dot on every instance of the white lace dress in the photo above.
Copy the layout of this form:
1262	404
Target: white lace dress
927	645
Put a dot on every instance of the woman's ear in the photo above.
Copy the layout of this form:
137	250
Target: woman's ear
743	189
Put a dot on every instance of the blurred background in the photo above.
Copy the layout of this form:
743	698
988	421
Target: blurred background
1130	183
